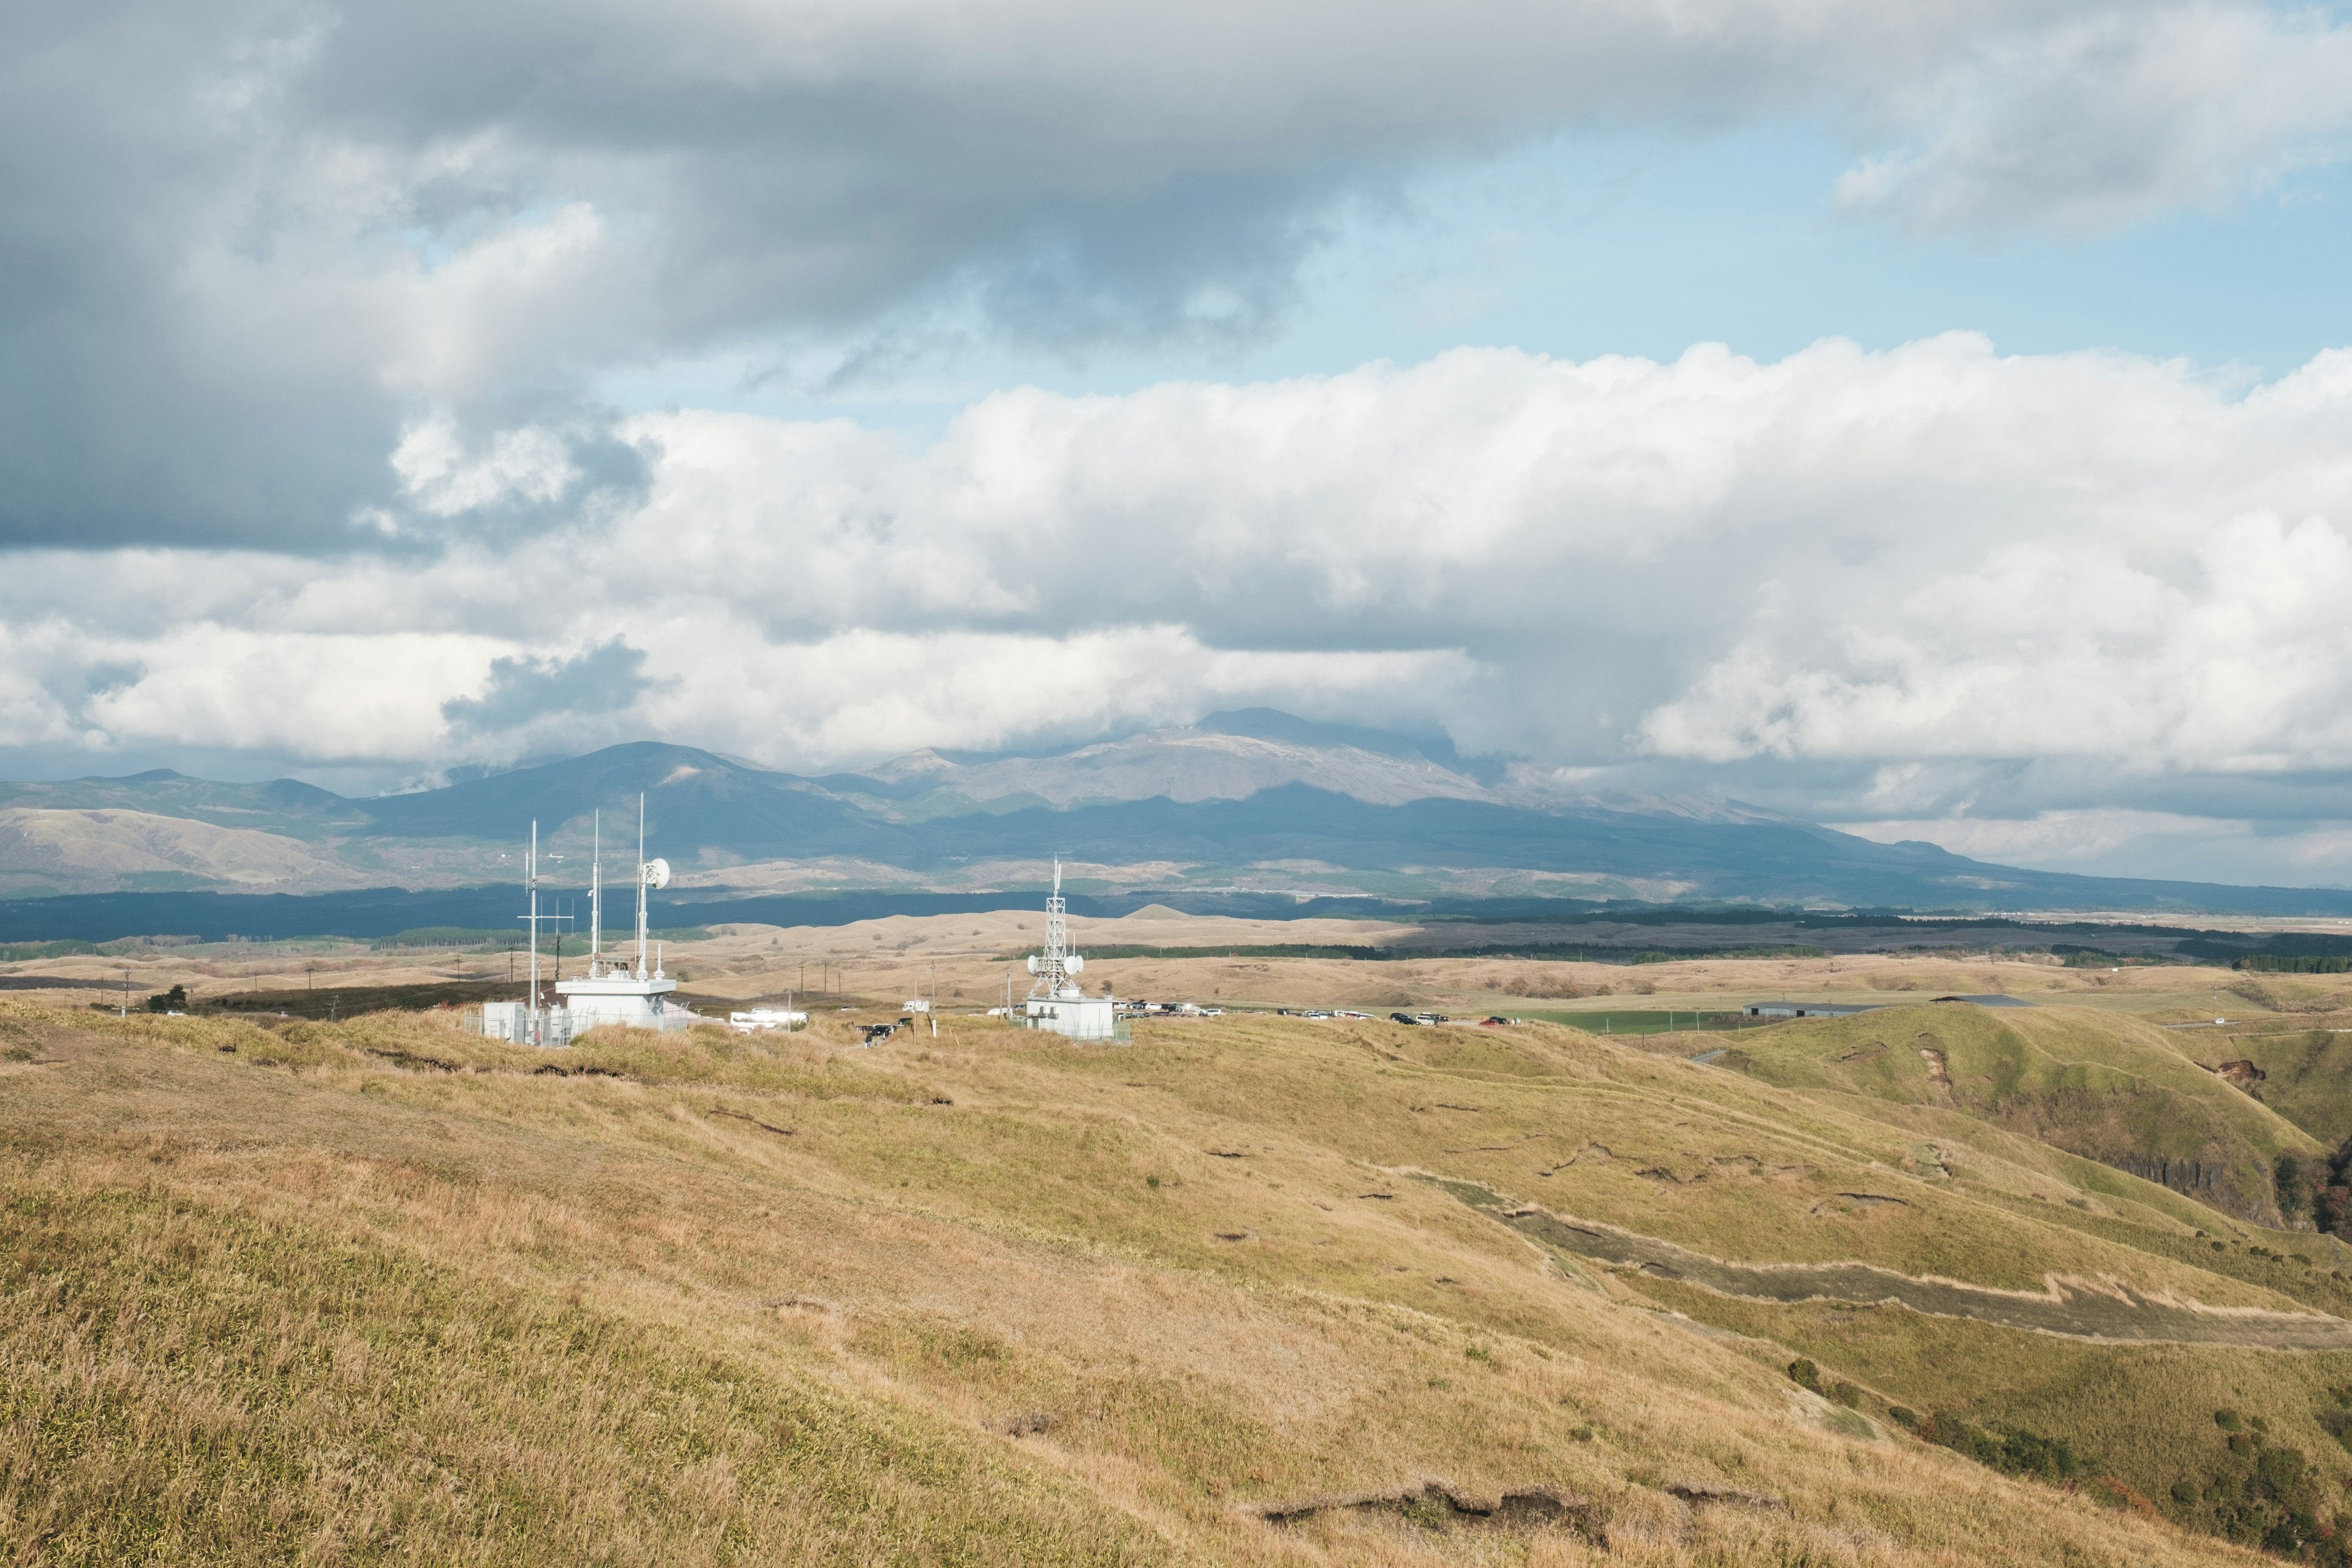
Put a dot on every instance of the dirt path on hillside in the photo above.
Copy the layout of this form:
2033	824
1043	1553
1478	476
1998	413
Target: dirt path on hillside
2076	1310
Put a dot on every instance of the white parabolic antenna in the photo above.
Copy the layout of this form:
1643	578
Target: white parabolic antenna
657	873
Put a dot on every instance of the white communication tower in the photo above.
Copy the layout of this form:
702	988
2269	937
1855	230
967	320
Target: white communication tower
533	1022
651	873
615	990
1057	968
1056	1001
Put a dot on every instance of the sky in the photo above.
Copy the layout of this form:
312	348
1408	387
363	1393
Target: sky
1932	419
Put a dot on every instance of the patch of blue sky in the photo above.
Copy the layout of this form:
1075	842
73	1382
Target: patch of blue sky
1583	246
437	245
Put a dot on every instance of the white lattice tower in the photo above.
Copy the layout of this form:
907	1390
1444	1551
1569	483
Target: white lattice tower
1055	966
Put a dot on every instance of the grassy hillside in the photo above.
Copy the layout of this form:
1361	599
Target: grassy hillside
2112	1089
1250	1291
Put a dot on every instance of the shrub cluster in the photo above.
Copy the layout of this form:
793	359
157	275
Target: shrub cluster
1805	1375
2269	1493
2318	1188
2012	1450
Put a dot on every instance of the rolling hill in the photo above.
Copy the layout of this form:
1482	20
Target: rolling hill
1252	1290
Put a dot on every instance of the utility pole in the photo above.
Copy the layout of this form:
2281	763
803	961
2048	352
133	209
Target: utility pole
126	995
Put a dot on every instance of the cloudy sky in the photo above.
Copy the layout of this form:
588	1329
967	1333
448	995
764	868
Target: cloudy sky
1931	417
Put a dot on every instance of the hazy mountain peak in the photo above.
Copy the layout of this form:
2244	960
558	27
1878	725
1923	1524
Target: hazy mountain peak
1227	756
913	765
1288	729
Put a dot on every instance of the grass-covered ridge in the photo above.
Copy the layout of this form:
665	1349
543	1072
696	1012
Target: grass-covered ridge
2113	1089
375	1290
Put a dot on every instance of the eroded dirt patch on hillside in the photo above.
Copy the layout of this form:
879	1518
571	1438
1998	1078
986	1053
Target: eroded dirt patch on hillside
1436	1504
2077	1310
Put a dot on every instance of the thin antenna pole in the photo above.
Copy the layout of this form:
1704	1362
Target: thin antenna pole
596	901
530	874
641	885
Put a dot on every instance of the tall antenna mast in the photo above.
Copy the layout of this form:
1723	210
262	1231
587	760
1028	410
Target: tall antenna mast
597	901
530	877
641	884
1057	928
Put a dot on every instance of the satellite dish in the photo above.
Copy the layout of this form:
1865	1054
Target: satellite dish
657	873
1073	964
1033	963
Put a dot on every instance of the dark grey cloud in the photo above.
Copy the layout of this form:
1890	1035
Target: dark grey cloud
246	245
608	679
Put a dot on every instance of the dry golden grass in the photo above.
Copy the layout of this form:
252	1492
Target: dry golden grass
380	1291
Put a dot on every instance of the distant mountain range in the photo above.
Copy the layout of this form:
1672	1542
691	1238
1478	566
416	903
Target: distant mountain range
1255	801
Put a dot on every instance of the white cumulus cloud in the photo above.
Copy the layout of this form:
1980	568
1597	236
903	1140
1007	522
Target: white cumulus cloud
1931	584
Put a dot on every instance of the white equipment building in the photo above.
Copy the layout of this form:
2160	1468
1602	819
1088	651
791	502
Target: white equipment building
630	996
634	997
766	1020
1055	1000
